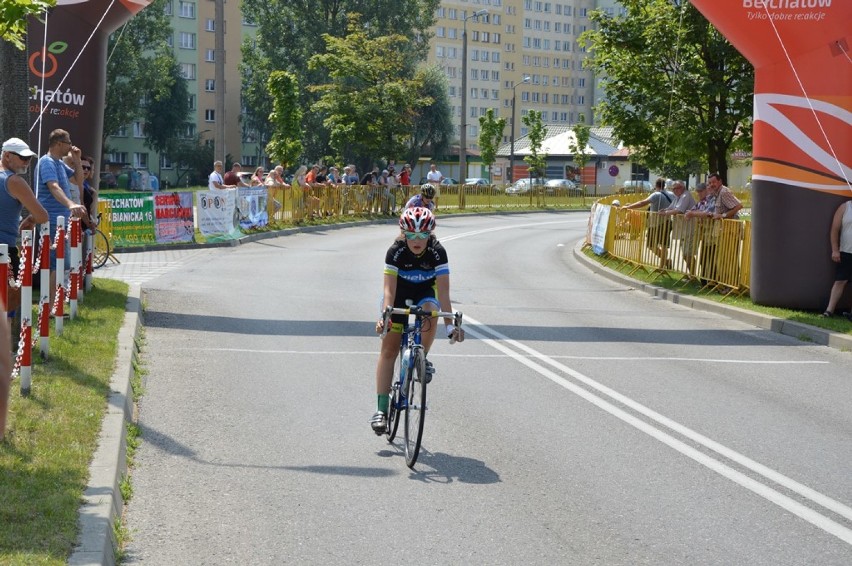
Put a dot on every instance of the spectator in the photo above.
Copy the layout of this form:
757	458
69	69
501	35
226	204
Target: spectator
257	178
350	175
434	176
232	177
90	194
405	176
841	254
311	176
698	218
15	194
54	193
215	180
658	226
727	205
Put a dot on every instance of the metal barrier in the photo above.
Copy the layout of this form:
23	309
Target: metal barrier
713	253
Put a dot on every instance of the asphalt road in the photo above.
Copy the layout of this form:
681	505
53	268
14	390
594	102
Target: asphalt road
582	422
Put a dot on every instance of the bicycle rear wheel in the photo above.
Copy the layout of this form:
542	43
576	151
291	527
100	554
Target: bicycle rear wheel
100	249
415	414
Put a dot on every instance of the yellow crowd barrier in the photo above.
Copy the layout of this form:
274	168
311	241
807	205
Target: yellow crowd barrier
713	253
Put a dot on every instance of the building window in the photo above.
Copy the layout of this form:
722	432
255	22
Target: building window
140	160
187	71
168	8
121	133
210	85
165	162
189	132
187	10
187	40
210	24
210	55
117	157
209	115
138	130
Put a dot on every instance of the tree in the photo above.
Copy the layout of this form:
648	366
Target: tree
13	60
490	135
371	100
676	90
289	33
433	124
581	134
138	63
285	119
13	19
195	157
536	132
167	110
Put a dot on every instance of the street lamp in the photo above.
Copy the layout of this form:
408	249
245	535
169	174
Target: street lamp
526	79
463	133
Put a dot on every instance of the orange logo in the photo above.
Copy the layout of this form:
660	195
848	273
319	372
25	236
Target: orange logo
48	60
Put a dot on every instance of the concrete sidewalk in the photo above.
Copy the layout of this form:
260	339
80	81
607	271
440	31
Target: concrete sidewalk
795	329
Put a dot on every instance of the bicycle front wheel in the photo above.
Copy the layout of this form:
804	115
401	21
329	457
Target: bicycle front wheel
393	411
100	249
415	414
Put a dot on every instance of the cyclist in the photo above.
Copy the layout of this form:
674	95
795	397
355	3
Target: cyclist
416	269
425	199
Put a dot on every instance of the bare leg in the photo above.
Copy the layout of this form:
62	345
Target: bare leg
836	293
387	358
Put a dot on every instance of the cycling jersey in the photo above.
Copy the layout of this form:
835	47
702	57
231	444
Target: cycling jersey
415	274
417	202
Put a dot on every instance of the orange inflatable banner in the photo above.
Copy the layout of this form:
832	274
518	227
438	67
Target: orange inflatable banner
66	53
802	154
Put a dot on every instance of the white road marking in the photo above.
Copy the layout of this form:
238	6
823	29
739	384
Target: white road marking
843	533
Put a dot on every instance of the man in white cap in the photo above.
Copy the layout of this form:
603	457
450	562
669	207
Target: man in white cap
16	194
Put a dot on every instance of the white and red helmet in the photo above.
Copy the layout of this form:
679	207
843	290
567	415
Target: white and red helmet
417	219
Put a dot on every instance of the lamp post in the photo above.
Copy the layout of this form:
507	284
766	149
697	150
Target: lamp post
463	133
526	79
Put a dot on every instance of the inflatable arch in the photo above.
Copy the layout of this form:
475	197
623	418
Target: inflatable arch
802	155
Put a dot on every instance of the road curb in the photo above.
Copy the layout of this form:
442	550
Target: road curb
102	501
767	322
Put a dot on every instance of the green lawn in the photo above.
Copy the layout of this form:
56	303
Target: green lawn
52	434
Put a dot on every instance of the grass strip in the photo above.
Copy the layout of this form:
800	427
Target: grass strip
674	283
53	433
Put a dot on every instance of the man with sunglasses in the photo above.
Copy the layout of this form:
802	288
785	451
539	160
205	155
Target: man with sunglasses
416	269
15	195
54	188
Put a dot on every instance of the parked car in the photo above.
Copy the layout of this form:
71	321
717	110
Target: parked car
445	182
478	181
523	186
637	187
562	186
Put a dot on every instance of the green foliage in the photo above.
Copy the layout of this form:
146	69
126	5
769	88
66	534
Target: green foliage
536	134
677	92
490	135
13	18
581	132
167	112
371	100
433	124
195	157
290	33
139	63
285	119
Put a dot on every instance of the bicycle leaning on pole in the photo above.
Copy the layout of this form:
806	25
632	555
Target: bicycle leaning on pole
408	387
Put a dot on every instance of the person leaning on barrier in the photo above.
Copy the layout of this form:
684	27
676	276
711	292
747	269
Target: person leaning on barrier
15	195
658	227
841	254
697	217
727	205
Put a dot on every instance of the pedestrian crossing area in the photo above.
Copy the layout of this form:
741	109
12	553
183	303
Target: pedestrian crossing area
139	268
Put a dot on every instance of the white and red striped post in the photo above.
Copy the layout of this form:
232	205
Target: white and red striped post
44	301
26	348
87	262
59	299
74	265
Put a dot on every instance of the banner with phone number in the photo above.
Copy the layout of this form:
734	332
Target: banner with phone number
132	218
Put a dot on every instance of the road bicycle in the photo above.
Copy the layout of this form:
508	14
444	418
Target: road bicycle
408	389
100	249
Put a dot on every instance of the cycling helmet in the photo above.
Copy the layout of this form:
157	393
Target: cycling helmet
427	190
417	219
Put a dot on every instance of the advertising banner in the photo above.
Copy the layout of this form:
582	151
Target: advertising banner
66	55
252	207
802	155
600	222
217	212
132	218
173	217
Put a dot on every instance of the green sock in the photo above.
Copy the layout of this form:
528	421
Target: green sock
384	400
